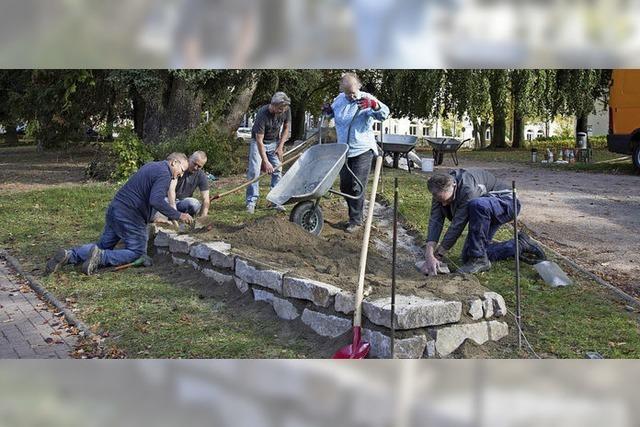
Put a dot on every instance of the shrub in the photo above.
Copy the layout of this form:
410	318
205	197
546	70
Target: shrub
556	142
119	160
221	149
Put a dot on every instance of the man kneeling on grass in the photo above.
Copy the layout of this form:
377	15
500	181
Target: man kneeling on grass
127	217
477	197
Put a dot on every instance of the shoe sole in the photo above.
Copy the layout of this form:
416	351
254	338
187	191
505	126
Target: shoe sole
89	267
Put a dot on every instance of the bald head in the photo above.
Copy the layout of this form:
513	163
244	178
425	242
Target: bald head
350	85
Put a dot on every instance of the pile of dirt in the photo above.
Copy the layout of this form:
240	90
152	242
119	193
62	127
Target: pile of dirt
334	256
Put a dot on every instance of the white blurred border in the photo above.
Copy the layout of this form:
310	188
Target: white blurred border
318	393
319	33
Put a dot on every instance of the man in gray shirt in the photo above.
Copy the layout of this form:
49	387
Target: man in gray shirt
268	135
476	197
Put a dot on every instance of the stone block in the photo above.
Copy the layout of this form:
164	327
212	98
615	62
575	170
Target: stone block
241	284
283	308
177	260
345	302
413	312
193	263
325	324
217	277
449	338
405	348
162	238
221	257
160	251
318	293
487	307
203	250
267	278
475	309
181	244
499	306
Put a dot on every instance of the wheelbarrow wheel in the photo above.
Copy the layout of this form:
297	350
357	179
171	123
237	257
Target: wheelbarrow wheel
308	216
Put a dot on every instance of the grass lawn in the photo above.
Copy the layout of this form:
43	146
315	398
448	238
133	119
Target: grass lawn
142	311
559	322
603	160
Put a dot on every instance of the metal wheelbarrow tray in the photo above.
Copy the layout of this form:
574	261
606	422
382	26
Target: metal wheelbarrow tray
307	181
397	146
444	145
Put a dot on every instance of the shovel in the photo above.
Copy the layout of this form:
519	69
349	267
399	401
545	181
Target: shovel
359	349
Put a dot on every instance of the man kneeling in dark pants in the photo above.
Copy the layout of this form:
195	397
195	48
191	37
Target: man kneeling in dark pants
477	197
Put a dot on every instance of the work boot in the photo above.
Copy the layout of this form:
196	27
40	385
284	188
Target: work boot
251	208
59	259
93	262
352	227
475	265
529	251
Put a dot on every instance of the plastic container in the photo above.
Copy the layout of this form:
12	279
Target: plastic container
427	164
581	140
552	274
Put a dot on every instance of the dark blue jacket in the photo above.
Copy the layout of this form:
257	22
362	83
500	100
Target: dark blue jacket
145	190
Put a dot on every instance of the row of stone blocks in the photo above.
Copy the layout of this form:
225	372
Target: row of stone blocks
427	327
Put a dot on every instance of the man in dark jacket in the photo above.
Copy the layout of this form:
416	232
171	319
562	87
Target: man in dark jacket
127	217
476	197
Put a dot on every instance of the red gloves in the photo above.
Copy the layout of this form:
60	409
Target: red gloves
365	103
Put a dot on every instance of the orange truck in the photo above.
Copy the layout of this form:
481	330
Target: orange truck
624	114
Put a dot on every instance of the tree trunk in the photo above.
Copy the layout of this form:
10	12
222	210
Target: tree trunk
175	111
297	120
139	107
232	120
582	122
483	134
498	136
11	136
518	131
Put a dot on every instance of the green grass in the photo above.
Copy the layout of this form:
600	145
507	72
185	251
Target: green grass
603	160
144	313
559	322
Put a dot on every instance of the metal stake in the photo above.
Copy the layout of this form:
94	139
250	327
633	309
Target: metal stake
393	266
515	238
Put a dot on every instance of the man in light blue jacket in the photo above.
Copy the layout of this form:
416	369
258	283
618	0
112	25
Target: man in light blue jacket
354	112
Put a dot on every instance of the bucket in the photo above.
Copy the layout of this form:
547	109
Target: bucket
427	165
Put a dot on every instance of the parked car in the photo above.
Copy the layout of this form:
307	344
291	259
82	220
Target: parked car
243	132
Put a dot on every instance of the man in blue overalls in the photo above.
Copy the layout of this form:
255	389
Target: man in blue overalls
127	217
476	197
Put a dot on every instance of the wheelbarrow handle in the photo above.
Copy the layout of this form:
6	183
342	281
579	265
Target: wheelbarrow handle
246	184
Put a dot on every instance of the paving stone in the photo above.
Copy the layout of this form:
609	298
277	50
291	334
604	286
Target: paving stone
412	312
405	348
345	302
181	243
499	306
475	309
241	284
449	338
326	324
268	278
318	293
203	250
218	278
283	308
162	238
160	251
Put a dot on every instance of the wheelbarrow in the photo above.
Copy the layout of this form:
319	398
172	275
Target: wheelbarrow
308	180
397	146
441	146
